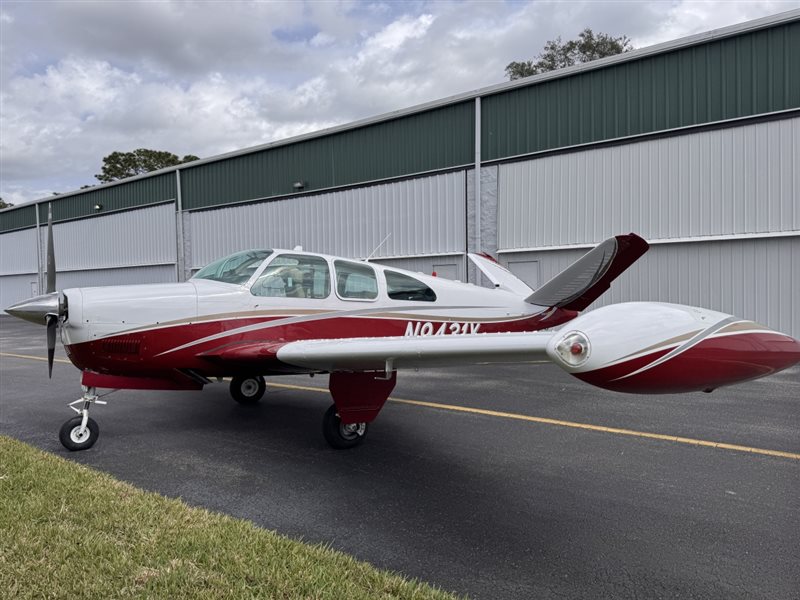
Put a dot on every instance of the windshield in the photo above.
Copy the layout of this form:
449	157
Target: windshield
236	268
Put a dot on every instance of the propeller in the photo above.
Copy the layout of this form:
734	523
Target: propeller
51	319
49	308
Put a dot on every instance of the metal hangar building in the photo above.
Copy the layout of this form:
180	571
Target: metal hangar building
693	144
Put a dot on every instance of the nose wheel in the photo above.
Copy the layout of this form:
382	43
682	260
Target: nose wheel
342	435
77	435
81	432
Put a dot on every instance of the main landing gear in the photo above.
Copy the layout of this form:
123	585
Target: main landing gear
81	432
357	398
249	389
342	435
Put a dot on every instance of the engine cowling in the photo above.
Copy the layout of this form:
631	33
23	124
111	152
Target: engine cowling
659	348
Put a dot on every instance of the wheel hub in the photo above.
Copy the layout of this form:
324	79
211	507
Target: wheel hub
78	436
249	387
351	431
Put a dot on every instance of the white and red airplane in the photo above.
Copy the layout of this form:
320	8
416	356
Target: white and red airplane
274	312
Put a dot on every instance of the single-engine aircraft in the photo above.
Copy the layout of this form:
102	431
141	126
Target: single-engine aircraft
272	312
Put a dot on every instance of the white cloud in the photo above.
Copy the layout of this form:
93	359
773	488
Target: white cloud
681	19
80	80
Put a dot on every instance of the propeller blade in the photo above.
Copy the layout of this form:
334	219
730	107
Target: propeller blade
52	326
51	255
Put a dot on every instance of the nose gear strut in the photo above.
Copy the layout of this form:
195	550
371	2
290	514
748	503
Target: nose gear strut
81	432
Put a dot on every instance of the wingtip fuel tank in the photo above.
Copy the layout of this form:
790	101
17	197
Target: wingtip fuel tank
659	348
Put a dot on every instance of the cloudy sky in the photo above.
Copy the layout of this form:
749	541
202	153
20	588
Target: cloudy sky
79	80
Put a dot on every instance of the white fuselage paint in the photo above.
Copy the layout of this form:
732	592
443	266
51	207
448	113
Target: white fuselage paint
100	312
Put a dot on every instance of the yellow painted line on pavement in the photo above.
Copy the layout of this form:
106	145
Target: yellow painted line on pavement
572	424
519	417
29	357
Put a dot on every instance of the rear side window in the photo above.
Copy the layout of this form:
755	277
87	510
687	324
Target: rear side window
294	276
403	287
355	281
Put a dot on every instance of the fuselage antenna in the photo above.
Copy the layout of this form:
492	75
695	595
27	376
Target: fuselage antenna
378	247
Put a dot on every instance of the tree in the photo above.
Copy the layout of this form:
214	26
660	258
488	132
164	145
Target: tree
119	165
558	54
4	204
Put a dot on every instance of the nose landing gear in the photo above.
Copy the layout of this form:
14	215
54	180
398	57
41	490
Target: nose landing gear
81	432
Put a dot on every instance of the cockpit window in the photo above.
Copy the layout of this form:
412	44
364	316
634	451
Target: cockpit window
294	276
403	287
236	268
355	281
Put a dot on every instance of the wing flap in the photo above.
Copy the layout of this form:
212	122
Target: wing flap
397	353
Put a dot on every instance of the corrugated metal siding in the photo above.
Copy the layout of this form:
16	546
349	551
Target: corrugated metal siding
753	279
18	252
424	216
728	181
118	276
138	237
436	139
18	217
15	288
749	74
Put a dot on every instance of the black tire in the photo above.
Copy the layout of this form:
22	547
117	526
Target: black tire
339	435
248	390
69	434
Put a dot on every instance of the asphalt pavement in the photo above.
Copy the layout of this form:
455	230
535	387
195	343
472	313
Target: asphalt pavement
526	505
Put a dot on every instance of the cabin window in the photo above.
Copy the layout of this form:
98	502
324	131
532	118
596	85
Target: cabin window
355	281
403	287
294	276
236	268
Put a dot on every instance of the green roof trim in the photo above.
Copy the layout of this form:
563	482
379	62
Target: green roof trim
18	217
746	75
125	196
428	141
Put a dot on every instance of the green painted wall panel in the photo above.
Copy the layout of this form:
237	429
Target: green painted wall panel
124	196
437	139
130	195
745	75
18	218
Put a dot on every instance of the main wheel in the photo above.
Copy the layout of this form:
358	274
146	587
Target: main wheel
248	390
341	435
73	439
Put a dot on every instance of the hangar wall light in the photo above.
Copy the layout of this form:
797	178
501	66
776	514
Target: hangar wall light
298	185
98	207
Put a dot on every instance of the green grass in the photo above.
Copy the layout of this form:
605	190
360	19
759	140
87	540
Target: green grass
67	531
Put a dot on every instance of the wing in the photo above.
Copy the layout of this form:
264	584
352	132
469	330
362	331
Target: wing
580	284
393	353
